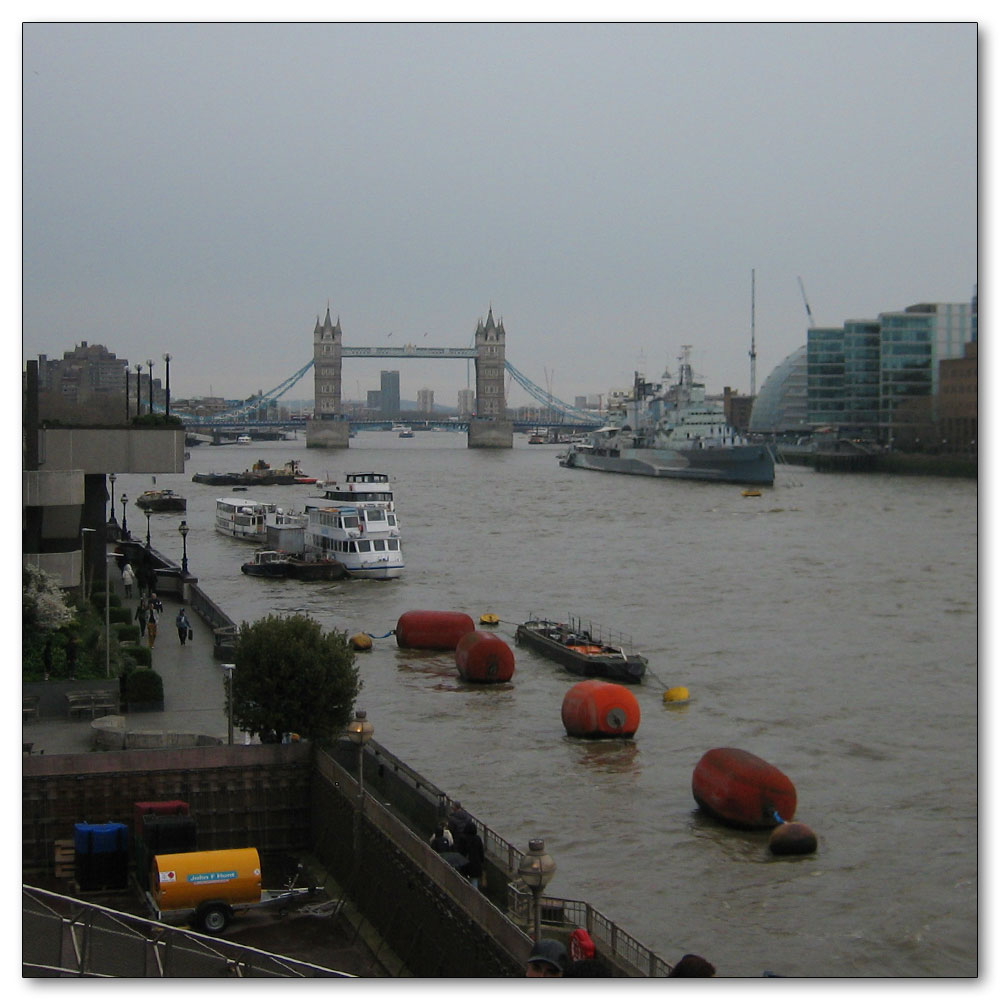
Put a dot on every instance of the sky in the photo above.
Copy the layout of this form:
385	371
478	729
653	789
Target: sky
209	189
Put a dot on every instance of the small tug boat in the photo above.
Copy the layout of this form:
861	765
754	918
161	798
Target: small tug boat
584	650
160	500
267	562
279	565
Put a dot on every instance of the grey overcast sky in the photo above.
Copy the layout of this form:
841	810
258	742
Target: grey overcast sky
208	189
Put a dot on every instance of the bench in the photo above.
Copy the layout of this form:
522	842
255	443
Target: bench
29	707
91	702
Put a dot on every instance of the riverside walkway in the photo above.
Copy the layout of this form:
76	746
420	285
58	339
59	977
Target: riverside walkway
193	688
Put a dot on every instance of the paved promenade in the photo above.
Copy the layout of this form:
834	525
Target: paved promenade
193	689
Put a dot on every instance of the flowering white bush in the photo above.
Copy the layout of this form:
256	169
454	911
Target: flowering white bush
43	604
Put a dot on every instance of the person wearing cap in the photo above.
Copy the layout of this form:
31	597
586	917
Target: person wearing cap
548	959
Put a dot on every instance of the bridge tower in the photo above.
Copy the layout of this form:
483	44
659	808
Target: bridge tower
490	428
327	429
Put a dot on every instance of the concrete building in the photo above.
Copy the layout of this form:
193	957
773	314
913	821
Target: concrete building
389	394
425	400
466	402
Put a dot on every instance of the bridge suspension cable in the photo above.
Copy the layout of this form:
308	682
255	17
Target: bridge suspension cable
547	399
248	406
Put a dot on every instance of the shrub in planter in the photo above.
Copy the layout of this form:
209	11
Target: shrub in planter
97	601
125	633
123	615
141	656
143	690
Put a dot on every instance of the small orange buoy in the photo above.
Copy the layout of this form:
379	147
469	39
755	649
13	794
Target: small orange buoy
432	629
484	657
361	640
489	619
600	709
792	838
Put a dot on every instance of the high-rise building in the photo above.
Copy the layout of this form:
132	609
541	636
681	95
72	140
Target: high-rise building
425	400
389	396
466	402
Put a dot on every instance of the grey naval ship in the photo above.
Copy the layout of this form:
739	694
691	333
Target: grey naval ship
672	432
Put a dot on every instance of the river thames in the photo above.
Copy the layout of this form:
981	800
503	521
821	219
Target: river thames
829	626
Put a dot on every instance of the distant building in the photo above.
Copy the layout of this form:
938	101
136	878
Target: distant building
373	399
893	379
389	395
328	340
737	408
425	400
491	344
466	402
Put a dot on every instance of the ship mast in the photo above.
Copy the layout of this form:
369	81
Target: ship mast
753	334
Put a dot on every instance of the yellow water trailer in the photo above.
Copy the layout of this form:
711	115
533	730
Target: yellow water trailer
186	881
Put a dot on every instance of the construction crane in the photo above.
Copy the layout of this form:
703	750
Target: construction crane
753	333
809	312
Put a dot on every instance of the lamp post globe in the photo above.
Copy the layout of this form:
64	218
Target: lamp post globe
535	870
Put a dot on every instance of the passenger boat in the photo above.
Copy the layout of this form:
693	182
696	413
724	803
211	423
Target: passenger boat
403	430
244	439
364	538
160	500
672	433
584	649
361	487
241	517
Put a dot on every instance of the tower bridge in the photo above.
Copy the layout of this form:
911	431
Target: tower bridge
488	427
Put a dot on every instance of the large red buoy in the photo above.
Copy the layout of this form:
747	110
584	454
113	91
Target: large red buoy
600	709
742	790
484	657
432	629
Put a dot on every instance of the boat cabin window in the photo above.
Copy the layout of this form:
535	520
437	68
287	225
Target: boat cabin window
374	514
393	544
391	520
378	544
364	545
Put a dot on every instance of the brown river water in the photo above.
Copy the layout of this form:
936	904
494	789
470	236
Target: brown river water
829	626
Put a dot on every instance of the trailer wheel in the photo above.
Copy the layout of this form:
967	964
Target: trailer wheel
214	919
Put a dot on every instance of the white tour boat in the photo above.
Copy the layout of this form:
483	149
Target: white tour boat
241	517
244	439
370	488
363	538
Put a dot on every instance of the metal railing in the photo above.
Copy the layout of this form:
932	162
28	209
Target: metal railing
62	936
563	914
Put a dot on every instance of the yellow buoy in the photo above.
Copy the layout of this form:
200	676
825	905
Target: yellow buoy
362	640
676	695
489	618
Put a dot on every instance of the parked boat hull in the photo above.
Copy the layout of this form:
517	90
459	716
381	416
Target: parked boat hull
612	666
747	464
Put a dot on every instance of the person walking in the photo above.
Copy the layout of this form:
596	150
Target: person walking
142	616
128	579
183	626
474	850
151	629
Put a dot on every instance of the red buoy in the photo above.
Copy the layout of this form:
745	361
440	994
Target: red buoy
742	790
432	629
484	657
600	709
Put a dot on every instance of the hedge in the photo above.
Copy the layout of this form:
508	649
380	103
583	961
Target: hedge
142	656
142	686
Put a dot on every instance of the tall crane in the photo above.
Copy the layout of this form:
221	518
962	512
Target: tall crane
809	312
753	333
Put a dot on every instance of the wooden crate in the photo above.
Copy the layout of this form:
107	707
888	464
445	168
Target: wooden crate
65	858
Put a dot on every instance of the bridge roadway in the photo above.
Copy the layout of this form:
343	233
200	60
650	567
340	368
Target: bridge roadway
265	430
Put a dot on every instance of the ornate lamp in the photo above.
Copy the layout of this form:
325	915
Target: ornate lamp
536	869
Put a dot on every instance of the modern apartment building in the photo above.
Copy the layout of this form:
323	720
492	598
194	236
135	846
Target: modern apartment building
872	376
389	394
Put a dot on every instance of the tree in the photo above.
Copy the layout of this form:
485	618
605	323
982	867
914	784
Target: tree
291	676
43	604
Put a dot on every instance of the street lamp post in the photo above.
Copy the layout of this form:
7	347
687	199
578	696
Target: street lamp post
230	669
536	869
83	559
138	387
184	529
107	615
124	519
359	732
149	368
148	515
111	479
166	361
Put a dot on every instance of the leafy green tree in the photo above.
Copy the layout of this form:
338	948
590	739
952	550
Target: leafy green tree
291	676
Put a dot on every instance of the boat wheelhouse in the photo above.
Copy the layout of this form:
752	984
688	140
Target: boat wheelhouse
361	487
241	517
364	539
